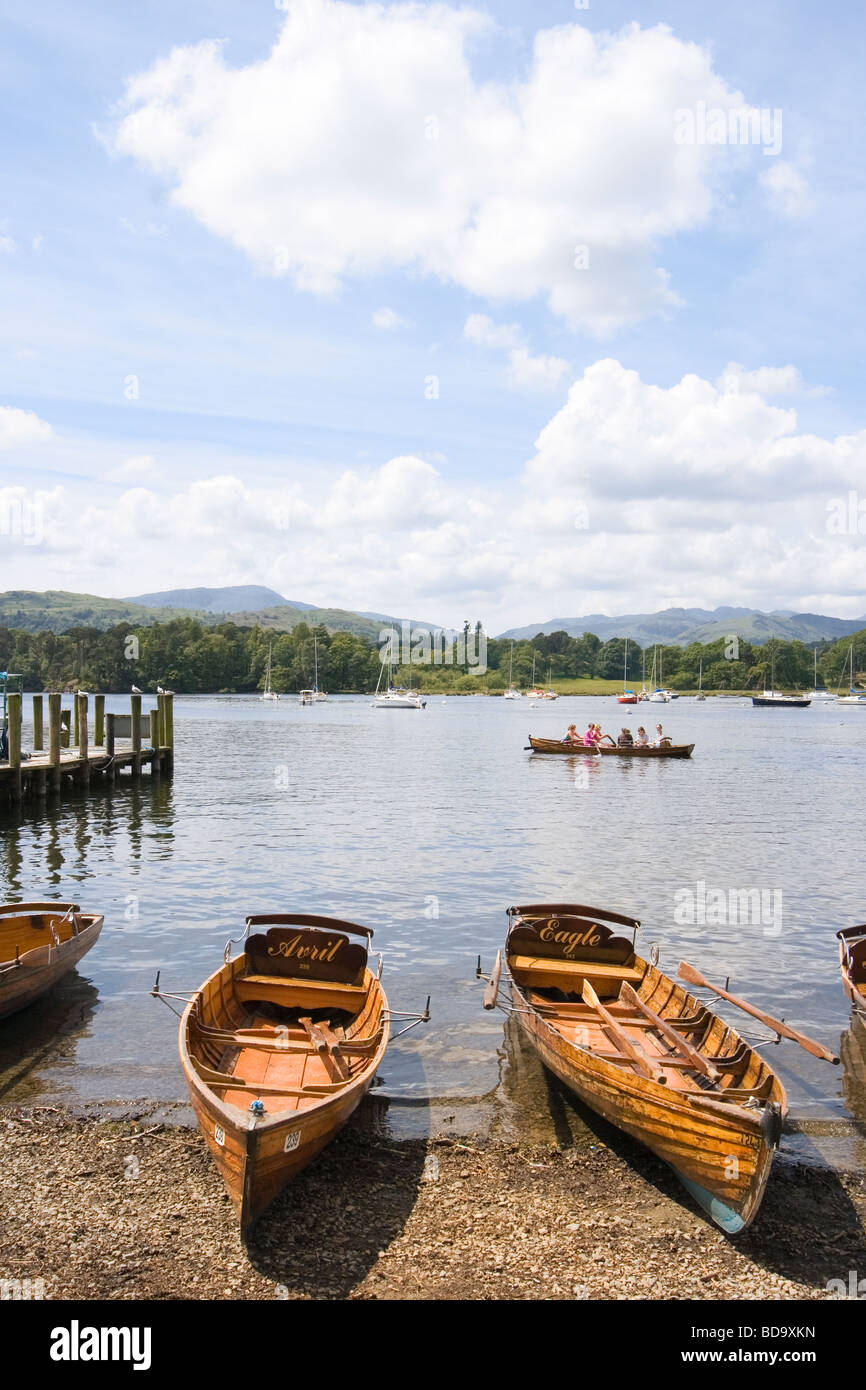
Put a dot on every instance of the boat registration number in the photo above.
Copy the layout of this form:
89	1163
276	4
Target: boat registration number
292	1141
219	1134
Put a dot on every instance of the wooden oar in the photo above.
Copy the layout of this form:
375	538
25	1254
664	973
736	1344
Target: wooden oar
685	1049
492	990
694	977
634	1053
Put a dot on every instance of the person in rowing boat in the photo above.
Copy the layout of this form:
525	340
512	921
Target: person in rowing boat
661	737
641	740
589	737
625	739
572	736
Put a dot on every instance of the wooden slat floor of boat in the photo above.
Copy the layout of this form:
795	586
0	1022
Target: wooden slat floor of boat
278	1068
590	1034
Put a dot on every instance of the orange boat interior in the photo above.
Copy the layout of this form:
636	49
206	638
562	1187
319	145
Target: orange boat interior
27	926
588	984
295	1019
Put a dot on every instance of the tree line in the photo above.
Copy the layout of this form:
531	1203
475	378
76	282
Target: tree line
190	657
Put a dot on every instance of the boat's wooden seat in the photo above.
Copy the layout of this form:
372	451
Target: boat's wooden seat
295	993
556	973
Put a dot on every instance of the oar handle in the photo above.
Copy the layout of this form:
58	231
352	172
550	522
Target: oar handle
492	991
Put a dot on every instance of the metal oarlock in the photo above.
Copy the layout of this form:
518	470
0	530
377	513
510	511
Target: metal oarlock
164	995
391	1014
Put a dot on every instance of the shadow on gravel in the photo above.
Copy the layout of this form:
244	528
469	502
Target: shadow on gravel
323	1235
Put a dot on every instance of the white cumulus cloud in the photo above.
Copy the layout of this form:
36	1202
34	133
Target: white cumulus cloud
21	427
365	141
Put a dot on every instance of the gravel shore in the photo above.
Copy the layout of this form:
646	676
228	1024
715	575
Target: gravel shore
135	1209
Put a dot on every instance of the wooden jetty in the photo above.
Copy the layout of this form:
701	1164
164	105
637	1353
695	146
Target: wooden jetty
74	760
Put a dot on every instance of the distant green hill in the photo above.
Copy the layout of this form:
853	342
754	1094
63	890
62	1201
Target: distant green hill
57	610
681	626
232	599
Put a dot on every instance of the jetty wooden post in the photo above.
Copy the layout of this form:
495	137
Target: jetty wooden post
13	708
38	735
54	714
168	731
98	721
109	746
38	777
155	763
83	747
135	707
65	722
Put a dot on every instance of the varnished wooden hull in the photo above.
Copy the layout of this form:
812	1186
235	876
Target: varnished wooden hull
41	966
556	746
674	750
258	1157
721	1152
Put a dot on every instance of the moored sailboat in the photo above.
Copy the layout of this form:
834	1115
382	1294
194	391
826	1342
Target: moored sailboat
774	698
512	693
269	693
854	696
628	697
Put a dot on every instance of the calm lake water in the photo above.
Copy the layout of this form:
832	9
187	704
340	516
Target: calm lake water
426	826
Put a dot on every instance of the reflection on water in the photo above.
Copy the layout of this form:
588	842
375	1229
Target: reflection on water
425	826
853	1052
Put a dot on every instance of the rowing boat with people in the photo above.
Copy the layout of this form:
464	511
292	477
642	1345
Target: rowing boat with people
646	1054
568	748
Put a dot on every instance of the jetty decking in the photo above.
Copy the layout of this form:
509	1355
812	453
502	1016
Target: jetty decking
71	760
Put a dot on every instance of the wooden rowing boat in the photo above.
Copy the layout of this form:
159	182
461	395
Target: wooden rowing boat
39	943
852	960
651	1058
279	1047
569	749
667	750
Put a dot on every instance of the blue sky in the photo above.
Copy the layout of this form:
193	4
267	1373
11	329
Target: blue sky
137	246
